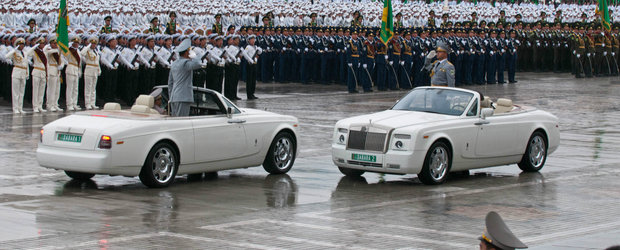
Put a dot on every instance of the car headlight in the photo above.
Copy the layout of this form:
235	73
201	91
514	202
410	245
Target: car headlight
341	136
401	142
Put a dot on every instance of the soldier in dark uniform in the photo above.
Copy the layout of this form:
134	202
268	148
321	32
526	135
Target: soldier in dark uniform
431	19
599	66
589	52
367	60
154	29
381	60
394	51
171	26
501	56
107	27
512	56
406	60
497	235
398	24
353	63
217	26
491	45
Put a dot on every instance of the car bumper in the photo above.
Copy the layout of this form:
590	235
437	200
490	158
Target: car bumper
86	161
391	162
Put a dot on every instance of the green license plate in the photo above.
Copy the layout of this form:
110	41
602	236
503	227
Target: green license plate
69	138
361	157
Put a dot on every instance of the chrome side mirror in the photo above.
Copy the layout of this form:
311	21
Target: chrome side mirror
229	112
486	112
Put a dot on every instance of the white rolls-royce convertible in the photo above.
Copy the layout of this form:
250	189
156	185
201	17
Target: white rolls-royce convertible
436	130
145	142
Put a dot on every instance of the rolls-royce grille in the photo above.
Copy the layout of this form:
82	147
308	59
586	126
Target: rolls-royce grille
369	141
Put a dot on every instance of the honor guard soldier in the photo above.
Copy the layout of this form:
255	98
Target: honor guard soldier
512	55
215	72
107	27
217	26
54	67
313	21
251	53
165	56
353	62
171	26
233	60
441	71
90	55
20	74
406	61
394	51
109	58
497	235
150	63
398	23
129	58
368	62
154	29
32	26
39	74
381	60
73	73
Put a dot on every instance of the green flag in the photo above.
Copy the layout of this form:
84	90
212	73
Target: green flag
61	30
603	12
387	22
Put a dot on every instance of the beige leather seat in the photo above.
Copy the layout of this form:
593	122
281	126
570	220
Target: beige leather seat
503	106
144	105
112	106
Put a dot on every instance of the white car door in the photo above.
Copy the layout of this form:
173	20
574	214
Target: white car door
216	138
498	137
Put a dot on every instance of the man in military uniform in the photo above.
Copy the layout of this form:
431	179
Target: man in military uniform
154	29
107	27
497	235
54	66
217	26
19	75
251	53
441	70
73	73
353	62
171	26
90	55
32	26
180	80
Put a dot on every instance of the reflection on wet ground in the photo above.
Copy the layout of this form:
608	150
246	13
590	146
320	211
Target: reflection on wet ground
314	206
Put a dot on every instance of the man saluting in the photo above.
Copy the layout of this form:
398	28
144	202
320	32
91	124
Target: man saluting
180	80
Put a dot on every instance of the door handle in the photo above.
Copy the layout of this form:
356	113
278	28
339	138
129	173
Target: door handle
481	122
236	121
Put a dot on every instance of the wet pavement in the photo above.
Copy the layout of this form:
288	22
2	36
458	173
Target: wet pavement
571	204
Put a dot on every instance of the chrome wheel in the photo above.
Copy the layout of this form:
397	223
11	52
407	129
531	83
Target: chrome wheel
438	163
163	165
283	153
537	152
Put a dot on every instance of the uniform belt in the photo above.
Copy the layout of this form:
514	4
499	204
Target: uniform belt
53	64
398	54
598	44
94	65
406	53
582	47
380	53
41	69
74	64
355	55
370	56
17	66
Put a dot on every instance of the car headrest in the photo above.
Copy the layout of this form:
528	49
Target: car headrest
486	103
140	109
112	106
145	100
504	102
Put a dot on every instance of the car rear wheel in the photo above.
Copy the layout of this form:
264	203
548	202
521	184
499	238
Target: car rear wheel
160	166
351	172
437	164
281	155
79	175
535	154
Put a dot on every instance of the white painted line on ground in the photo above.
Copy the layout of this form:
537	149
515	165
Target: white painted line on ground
317	125
226	242
283	238
32	176
102	241
5	150
234	224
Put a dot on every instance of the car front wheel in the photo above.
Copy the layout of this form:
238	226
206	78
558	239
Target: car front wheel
160	166
281	155
437	164
535	154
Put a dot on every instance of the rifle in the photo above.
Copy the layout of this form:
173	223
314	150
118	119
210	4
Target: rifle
153	57
170	58
134	59
115	58
204	56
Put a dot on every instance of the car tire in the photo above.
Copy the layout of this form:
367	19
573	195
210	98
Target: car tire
79	175
351	172
281	155
160	166
437	164
535	154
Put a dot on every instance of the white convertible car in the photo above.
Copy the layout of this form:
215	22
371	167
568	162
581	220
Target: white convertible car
156	147
436	130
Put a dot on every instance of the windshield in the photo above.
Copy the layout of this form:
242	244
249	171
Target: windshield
435	100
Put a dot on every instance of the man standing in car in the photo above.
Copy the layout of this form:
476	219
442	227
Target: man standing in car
441	71
180	80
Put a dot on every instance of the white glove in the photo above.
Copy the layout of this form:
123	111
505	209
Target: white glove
503	50
386	57
115	65
192	54
402	63
431	54
59	68
391	63
260	51
613	53
283	49
574	52
338	50
136	65
358	65
306	49
578	55
153	64
603	45
298	50
605	53
350	64
588	54
491	53
365	66
204	65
